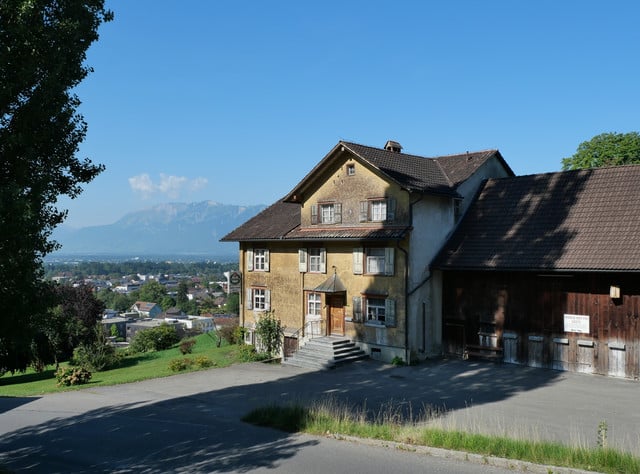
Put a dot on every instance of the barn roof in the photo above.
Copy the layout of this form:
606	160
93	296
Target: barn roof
585	220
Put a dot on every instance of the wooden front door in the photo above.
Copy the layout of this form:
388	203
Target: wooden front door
336	314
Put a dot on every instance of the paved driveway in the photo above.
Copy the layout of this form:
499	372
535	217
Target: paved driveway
157	425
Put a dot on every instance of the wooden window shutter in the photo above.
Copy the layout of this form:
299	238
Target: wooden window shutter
267	300
337	213
390	312
389	261
266	260
249	260
364	211
314	213
357	309
357	261
323	260
249	299
302	260
391	209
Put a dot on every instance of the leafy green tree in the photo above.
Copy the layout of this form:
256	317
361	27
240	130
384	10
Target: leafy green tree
182	297
167	302
606	149
152	292
233	303
43	46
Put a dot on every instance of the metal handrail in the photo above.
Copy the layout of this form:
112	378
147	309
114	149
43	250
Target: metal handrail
307	332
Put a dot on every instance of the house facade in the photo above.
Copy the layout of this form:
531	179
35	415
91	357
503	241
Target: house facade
544	271
347	251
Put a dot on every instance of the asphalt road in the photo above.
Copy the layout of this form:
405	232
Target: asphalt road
191	422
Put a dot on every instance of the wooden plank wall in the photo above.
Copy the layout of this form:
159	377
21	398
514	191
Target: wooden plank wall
526	312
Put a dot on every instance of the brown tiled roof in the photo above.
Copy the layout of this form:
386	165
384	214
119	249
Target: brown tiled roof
439	175
416	173
459	168
271	224
587	220
351	233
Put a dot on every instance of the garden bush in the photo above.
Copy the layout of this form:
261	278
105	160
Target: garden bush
154	339
204	362
178	365
232	334
96	357
72	376
186	346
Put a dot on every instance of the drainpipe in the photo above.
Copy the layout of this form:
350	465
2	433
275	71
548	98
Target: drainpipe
406	281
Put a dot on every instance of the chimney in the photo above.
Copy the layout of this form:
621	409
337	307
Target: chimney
393	146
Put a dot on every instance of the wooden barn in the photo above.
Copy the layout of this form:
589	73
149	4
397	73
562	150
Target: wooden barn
544	270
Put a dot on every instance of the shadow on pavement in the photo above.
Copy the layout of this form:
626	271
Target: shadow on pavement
201	431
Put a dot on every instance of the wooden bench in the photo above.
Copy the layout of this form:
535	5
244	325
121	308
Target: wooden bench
485	352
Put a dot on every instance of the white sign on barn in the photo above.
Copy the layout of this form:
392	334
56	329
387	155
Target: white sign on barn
576	323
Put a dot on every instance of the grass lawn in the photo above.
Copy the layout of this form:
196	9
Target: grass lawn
132	369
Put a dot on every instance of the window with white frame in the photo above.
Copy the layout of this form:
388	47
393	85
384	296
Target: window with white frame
378	210
258	299
313	260
326	213
317	260
314	304
374	309
373	261
257	260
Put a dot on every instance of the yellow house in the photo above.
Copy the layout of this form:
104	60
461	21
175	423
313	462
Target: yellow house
346	252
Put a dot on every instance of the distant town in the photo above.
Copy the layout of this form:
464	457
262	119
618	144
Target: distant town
138	294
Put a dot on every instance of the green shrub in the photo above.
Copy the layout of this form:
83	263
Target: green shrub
178	365
248	353
186	346
154	339
96	357
203	362
232	334
270	333
72	376
398	361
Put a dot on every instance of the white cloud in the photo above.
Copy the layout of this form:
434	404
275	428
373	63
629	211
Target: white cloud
169	185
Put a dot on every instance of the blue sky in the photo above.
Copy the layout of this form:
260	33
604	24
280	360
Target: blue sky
235	101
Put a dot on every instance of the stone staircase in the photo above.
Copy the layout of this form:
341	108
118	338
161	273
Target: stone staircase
326	353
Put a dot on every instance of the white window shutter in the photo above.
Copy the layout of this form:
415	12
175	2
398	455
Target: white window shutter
357	308
391	209
266	260
364	211
390	312
314	213
389	260
249	260
267	300
337	213
357	261
248	303
323	260
302	260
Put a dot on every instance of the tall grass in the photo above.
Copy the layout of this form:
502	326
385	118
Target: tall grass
389	424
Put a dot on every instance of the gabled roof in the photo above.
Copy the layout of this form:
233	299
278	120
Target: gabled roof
271	224
436	175
586	220
439	175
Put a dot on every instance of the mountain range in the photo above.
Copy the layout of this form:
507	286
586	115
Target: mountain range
166	229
